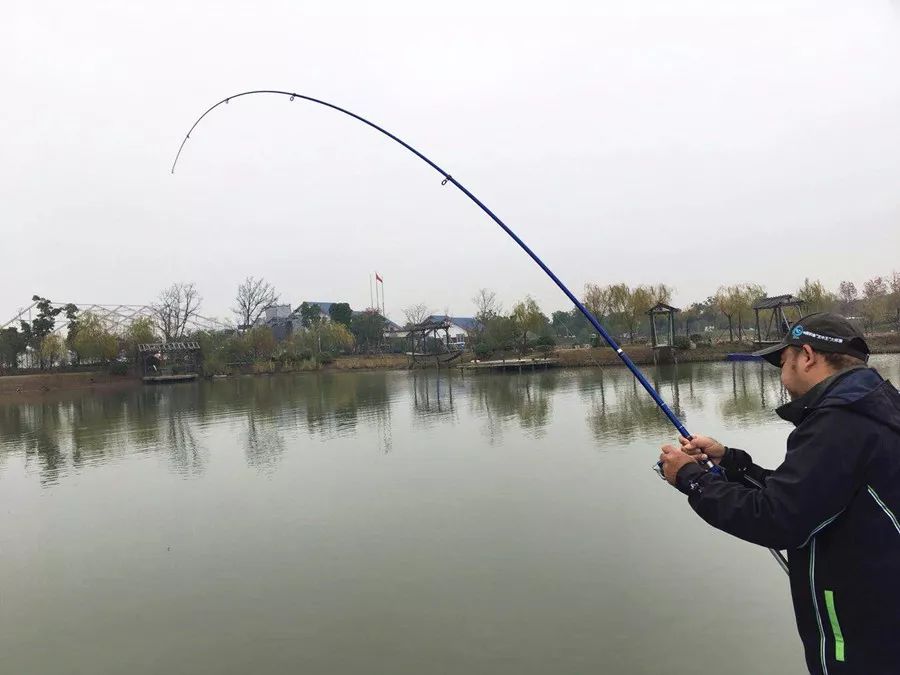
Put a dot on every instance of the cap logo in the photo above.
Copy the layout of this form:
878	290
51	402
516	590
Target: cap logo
798	332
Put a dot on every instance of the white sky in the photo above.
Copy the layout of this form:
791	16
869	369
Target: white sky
694	143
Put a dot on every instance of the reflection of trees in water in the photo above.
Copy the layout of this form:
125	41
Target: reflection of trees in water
185	453
327	404
755	390
622	409
525	398
99	424
42	433
433	396
92	428
42	442
264	444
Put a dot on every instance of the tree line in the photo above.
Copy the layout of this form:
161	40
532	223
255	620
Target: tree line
66	335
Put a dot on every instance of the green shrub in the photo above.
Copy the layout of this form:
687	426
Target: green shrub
483	350
682	342
118	368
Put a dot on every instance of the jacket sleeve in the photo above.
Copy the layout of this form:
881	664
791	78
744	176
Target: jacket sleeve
821	472
739	467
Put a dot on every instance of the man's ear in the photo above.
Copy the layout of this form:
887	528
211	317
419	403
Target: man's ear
812	357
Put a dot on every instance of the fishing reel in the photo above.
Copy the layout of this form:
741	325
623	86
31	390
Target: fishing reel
708	465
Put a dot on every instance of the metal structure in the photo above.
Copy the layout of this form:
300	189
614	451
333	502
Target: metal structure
115	317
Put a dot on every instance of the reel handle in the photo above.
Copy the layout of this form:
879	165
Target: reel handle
658	468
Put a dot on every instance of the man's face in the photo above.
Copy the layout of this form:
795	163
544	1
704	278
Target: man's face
791	372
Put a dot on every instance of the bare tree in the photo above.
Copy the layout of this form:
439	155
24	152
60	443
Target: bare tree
254	296
177	305
416	314
486	305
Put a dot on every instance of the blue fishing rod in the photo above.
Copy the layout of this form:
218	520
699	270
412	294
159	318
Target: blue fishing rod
447	178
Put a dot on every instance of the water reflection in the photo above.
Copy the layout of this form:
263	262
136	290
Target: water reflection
267	416
433	395
522	398
755	390
620	408
263	443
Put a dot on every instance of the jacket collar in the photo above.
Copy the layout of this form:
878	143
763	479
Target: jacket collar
799	408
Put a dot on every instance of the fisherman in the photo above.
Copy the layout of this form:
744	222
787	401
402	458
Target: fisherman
834	503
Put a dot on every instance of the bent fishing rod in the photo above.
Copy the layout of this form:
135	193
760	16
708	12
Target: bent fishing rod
447	178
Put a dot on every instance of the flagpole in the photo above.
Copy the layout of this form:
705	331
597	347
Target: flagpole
371	299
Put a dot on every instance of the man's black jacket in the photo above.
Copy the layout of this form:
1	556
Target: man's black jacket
834	504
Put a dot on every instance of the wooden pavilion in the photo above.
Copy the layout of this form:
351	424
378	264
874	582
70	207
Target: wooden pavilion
426	345
780	320
164	362
669	312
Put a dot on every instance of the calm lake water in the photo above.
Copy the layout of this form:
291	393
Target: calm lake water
385	523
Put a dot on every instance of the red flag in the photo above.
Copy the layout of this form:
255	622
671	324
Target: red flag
378	278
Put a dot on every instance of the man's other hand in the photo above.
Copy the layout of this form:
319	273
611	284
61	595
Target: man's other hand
673	459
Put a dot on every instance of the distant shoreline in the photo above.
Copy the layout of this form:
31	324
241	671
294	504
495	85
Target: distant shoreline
41	386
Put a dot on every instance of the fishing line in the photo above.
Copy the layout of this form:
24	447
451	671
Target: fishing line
447	178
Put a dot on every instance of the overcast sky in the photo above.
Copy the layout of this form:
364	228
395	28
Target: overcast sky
693	143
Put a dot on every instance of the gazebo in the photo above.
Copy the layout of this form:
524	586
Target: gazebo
663	350
779	322
662	309
161	362
426	345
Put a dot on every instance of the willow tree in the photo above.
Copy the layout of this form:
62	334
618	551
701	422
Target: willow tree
528	319
816	298
94	341
747	295
735	302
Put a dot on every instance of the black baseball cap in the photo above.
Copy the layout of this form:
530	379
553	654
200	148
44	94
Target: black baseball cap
824	332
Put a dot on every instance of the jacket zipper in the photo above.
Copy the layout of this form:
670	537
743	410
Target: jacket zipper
812	589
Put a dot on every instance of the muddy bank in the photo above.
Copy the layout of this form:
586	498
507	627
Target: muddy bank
643	354
42	386
38	386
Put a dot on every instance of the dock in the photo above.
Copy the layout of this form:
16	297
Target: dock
512	364
741	356
169	379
